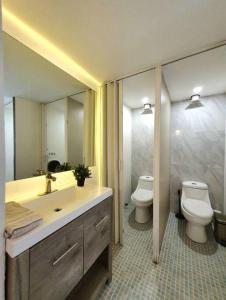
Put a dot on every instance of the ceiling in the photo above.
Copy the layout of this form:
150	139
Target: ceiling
28	75
206	70
139	89
113	38
80	97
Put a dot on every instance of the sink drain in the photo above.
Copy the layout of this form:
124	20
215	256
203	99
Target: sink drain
57	209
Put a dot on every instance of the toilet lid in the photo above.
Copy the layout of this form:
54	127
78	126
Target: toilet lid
197	208
143	195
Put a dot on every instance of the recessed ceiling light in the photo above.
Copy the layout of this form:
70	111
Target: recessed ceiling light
197	89
178	131
145	100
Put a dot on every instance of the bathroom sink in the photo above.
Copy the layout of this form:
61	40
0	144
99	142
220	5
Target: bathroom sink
62	201
57	209
46	204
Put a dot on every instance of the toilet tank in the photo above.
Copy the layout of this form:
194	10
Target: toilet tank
145	182
195	190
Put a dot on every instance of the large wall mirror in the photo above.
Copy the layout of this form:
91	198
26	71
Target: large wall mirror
49	115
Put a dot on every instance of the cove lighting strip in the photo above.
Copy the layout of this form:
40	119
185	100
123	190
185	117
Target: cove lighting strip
41	45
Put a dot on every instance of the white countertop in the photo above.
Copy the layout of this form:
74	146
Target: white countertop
74	201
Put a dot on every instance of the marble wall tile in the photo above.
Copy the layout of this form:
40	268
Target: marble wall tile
142	145
198	147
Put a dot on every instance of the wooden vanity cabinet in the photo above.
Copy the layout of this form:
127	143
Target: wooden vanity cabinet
66	264
56	263
97	232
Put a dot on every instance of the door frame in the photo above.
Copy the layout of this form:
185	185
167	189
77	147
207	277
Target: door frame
120	162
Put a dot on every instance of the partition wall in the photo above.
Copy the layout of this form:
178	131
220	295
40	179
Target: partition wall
112	156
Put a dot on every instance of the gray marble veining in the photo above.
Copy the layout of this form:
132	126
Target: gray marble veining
198	147
142	145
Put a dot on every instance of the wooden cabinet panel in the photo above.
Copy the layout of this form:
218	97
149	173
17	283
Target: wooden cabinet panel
56	263
17	272
97	232
51	269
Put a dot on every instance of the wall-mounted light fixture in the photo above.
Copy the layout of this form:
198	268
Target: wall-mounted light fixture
147	109
195	102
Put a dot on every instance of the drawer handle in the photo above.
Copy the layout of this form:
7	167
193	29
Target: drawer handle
101	222
65	254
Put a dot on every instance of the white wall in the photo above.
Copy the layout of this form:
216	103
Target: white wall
56	135
198	146
164	204
142	145
161	163
2	175
9	142
127	153
28	137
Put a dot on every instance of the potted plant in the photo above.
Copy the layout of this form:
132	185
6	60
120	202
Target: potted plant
64	167
81	173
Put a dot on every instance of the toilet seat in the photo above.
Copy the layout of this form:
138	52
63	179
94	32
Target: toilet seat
142	198
142	195
198	208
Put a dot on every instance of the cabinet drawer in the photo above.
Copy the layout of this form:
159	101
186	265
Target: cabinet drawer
56	263
97	232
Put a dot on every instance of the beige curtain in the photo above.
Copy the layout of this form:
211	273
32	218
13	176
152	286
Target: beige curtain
110	155
89	128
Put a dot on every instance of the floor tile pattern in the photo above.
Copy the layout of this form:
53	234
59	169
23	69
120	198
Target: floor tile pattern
187	270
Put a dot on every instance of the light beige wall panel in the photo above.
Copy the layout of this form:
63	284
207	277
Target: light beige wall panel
120	162
127	154
161	163
112	105
28	137
56	130
2	178
75	132
9	141
164	160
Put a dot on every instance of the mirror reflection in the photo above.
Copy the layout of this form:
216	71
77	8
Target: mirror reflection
49	115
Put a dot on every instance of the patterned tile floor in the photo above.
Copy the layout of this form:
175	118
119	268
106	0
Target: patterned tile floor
187	270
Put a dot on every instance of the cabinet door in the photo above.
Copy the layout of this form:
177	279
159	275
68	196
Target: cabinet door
97	232
56	263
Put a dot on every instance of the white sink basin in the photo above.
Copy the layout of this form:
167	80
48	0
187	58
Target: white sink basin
66	200
57	209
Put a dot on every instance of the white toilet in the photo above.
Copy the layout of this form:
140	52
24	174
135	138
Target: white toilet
197	210
143	198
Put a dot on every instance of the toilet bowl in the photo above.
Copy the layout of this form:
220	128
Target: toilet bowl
143	198
197	210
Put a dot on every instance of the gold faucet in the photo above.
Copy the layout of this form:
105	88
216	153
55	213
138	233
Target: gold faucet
49	179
